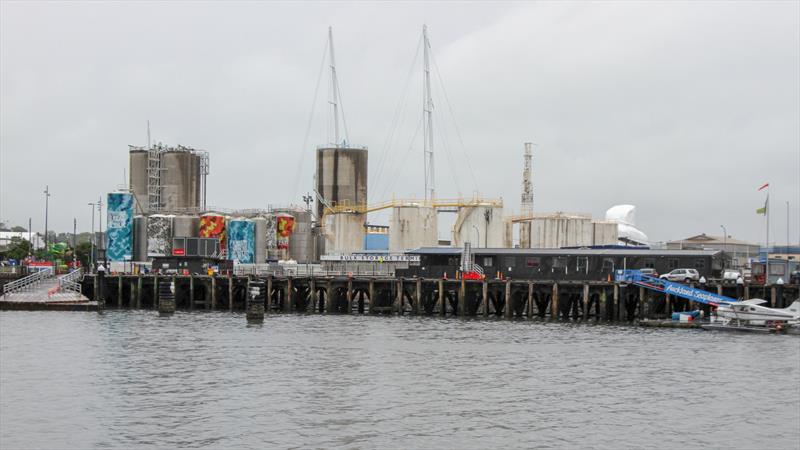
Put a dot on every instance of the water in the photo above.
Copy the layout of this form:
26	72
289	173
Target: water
128	379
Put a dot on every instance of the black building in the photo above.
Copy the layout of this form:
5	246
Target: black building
562	264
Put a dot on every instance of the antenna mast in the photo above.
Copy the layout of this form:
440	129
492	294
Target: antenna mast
427	108
334	90
526	204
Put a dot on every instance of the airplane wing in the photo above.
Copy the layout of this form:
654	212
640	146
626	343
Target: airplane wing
752	301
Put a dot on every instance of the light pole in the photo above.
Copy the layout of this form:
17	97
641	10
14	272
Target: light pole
102	238
46	211
91	254
478	233
724	244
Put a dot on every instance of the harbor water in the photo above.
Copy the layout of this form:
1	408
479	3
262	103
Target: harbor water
132	379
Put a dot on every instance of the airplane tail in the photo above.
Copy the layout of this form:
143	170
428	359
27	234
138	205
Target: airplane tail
793	309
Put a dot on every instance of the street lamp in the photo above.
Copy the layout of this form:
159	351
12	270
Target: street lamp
91	254
102	238
46	212
724	244
478	233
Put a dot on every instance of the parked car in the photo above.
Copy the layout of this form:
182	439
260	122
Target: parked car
795	277
685	275
730	276
649	272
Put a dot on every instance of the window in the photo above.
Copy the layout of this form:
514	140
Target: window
487	261
559	262
583	264
777	269
608	265
699	263
650	263
510	261
533	262
672	263
454	261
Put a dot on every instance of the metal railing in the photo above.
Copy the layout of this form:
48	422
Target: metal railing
71	282
27	283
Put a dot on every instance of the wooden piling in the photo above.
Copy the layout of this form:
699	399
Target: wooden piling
616	315
349	296
313	300
399	299
668	306
328	297
529	304
554	303
119	291
462	298
155	290
602	308
287	299
132	295
585	302
641	302
773	297
230	292
371	289
442	304
418	297
139	284
508	310
191	292
746	291
213	291
269	294
485	298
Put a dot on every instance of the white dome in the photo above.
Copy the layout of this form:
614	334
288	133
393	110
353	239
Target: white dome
622	214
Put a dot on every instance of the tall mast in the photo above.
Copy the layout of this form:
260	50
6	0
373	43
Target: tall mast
427	108
526	204
334	90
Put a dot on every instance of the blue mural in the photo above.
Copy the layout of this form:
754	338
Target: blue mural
241	241
119	231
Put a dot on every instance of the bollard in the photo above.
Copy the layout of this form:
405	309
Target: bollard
166	298
254	311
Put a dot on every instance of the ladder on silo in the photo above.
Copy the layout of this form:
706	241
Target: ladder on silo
154	178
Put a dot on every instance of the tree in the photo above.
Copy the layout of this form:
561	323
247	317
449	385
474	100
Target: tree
83	251
18	248
18	228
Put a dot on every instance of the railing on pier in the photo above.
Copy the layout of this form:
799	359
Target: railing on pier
70	283
303	270
28	283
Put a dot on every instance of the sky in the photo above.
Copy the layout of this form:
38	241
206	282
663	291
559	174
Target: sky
681	108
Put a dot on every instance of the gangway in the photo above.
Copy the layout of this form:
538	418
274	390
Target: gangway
637	278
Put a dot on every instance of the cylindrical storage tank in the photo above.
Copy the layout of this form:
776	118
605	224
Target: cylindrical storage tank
413	226
140	238
260	239
159	235
186	226
301	242
480	225
138	180
213	226
241	240
180	180
344	233
341	176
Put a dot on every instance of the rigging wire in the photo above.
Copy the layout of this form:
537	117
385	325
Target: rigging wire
341	108
442	134
393	180
396	123
455	124
310	122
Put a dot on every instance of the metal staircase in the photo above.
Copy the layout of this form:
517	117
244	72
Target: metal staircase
28	283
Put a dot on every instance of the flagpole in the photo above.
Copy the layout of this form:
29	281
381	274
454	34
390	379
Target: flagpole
767	245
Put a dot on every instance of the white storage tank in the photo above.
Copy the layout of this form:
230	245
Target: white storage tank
260	239
344	233
186	226
480	225
413	226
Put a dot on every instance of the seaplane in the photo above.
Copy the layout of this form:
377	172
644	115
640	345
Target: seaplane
729	310
752	313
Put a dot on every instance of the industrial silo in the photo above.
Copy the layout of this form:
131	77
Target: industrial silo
159	235
341	176
185	226
413	226
241	240
481	225
140	238
260	239
344	233
302	243
180	180
138	179
213	226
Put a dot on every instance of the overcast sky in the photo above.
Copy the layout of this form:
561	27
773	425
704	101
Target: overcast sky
682	109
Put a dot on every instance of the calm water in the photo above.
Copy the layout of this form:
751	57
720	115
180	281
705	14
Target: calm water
128	379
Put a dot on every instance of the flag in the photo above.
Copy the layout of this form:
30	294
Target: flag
766	185
763	210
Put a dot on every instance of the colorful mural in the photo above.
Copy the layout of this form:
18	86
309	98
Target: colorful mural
241	241
119	230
